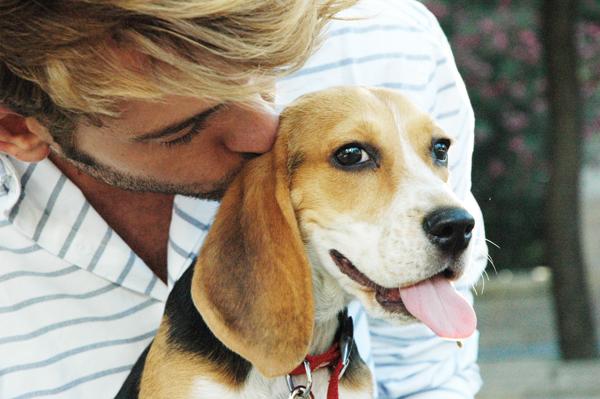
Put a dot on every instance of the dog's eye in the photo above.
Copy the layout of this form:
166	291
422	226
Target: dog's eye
439	150
351	155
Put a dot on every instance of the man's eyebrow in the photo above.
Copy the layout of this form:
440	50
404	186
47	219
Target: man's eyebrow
178	126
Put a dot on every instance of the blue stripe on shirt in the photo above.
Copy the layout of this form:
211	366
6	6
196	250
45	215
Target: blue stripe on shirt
191	220
355	61
127	268
100	250
24	179
76	382
49	206
24	273
74	229
372	28
151	285
48	298
75	351
72	322
180	251
20	251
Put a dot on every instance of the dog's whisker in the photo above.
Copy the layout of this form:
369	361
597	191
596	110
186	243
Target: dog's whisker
481	281
486	274
483	284
493	243
489	258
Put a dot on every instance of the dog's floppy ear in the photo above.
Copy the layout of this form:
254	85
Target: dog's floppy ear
252	282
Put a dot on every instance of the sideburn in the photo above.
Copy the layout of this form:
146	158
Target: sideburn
63	132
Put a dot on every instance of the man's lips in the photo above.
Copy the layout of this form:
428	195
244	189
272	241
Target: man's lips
389	298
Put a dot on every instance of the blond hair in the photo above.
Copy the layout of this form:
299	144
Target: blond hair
60	59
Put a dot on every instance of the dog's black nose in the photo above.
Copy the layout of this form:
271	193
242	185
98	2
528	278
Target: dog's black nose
450	229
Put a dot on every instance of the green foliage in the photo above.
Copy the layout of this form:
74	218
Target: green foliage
499	54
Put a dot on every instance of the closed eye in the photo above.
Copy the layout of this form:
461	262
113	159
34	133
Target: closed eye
197	128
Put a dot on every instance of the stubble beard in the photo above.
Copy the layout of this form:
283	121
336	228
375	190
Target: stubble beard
213	191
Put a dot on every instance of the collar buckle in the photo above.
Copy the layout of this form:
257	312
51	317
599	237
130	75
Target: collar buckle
346	341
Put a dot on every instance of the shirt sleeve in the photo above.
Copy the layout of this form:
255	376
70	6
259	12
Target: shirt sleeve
411	361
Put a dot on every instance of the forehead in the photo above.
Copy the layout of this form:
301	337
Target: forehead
140	116
375	116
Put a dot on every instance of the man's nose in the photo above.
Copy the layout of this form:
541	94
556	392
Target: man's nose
255	131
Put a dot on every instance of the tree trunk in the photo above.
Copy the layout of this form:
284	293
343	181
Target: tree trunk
571	293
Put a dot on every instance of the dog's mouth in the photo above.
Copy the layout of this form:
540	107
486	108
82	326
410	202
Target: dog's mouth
388	298
433	301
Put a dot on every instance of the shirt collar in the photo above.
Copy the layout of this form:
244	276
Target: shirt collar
45	206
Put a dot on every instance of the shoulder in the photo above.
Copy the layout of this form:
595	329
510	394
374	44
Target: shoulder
394	44
400	18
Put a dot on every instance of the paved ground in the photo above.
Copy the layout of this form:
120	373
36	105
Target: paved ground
519	355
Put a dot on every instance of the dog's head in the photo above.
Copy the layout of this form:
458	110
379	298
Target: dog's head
356	186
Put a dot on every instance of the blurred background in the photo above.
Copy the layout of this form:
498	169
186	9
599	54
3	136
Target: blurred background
532	69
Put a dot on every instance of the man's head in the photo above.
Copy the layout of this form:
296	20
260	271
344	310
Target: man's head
164	96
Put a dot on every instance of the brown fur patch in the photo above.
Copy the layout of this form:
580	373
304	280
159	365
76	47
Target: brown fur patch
252	282
170	372
357	376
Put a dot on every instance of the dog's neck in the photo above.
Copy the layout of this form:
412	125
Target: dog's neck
323	335
330	300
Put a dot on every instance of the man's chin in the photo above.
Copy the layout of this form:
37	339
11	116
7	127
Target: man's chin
213	191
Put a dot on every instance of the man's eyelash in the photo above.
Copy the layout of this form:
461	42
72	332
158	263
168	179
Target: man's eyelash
181	140
185	139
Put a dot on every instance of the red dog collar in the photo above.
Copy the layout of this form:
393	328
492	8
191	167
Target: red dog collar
337	357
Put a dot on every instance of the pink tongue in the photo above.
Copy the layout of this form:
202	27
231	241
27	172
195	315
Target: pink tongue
440	307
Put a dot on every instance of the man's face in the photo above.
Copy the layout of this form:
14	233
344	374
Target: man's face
182	145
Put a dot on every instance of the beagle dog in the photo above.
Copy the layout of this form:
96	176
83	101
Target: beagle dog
352	202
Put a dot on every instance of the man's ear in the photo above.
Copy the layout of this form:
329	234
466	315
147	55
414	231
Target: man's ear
23	138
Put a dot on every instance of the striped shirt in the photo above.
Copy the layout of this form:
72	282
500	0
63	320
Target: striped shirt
78	306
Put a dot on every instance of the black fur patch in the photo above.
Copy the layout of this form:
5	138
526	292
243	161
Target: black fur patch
294	162
355	372
189	333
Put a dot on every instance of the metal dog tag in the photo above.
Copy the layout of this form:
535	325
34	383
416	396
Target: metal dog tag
300	393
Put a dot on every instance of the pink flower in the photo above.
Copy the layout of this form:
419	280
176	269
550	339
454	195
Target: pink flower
529	38
467	41
496	168
487	25
518	90
487	91
527	158
440	10
517	145
516	121
500	41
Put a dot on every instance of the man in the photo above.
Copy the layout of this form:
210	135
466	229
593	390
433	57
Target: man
120	119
